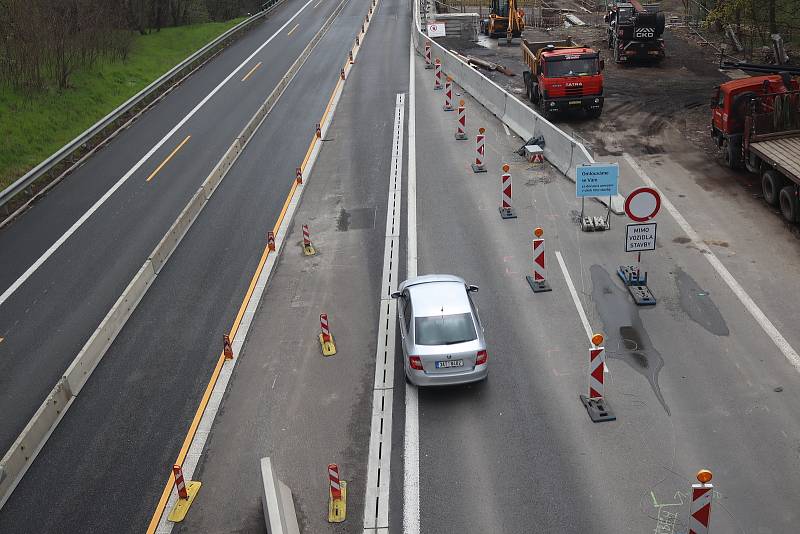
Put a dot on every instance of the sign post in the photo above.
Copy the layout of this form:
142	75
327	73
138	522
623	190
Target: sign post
641	206
596	180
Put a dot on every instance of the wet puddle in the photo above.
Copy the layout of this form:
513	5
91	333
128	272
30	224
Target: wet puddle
698	305
627	340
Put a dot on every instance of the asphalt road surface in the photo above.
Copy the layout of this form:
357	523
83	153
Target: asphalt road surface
130	419
46	321
703	379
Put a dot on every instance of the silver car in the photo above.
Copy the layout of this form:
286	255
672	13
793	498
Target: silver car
442	334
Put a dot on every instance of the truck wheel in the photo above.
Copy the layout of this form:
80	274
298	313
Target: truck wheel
789	203
771	184
731	154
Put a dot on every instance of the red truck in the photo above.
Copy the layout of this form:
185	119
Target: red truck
563	76
756	123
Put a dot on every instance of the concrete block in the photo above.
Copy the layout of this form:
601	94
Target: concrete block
32	438
94	349
276	499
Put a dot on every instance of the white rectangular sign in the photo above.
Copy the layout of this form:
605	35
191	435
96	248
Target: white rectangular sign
639	237
436	29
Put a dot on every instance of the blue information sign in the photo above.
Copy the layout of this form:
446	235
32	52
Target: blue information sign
596	180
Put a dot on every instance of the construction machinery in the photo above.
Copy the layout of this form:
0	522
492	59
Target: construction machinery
635	32
505	20
563	76
756	123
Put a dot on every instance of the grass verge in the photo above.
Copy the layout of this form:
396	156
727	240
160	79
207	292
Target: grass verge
32	127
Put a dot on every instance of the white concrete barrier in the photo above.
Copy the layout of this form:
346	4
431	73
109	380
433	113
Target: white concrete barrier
276	499
103	336
560	149
23	451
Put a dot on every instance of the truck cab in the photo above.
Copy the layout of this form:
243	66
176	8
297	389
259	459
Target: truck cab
563	78
730	105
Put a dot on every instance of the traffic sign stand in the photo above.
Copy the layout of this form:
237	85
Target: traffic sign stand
596	180
641	206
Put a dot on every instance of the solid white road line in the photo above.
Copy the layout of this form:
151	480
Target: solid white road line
74	228
411	436
376	501
577	301
737	289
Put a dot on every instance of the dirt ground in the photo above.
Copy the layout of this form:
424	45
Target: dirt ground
657	108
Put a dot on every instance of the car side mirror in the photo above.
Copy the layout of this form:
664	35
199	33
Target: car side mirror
473	289
395	295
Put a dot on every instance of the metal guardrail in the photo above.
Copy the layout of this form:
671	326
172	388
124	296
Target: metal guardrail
98	129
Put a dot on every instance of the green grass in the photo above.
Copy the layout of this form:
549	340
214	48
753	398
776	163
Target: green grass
32	127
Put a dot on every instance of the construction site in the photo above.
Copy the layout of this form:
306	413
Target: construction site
632	78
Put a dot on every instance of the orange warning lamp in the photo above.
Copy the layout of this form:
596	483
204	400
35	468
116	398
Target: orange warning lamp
704	476
505	167
460	102
538	232
481	130
597	340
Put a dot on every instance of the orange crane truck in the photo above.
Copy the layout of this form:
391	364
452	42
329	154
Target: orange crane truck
563	76
756	123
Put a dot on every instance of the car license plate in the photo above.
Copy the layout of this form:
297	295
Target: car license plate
450	363
574	102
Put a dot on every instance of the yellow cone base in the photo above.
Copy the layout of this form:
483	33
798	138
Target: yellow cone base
328	347
182	506
337	508
309	250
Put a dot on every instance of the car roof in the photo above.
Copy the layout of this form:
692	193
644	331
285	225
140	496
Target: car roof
439	297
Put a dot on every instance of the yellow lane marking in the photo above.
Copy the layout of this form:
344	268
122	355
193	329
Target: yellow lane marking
292	30
168	158
251	71
187	442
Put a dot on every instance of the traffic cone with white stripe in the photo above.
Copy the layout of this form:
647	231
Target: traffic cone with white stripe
227	348
461	125
448	94
480	152
325	336
308	248
437	75
337	495
538	281
186	495
506	211
428	62
595	403
700	507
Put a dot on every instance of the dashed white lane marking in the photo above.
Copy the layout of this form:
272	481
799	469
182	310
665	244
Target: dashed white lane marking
576	300
411	436
376	502
737	289
77	224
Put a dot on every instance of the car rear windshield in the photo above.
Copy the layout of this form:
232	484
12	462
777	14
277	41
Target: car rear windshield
444	329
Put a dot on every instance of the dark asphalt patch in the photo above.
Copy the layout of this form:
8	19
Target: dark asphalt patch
627	340
698	305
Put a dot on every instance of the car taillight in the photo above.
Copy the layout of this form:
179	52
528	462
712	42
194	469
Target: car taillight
482	357
415	362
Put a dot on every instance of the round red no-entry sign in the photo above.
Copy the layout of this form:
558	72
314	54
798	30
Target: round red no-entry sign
642	204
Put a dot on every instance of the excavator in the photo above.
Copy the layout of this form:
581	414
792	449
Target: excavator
505	19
